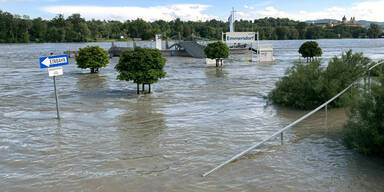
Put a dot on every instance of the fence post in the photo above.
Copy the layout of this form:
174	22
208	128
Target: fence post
326	112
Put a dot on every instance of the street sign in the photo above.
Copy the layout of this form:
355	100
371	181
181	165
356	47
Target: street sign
53	61
239	37
55	71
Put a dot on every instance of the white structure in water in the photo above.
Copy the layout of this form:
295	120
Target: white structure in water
158	38
265	53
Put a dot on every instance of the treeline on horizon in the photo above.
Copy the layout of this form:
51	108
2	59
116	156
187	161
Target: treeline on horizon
22	29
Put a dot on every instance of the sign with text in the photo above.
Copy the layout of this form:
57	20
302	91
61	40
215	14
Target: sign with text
55	71
240	37
53	61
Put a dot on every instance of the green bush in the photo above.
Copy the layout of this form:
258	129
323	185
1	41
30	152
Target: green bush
218	51
302	87
306	86
364	131
142	66
377	70
309	50
342	71
92	57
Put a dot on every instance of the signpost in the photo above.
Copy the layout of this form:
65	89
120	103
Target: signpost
53	64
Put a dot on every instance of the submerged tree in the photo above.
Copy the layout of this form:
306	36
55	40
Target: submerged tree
142	66
365	127
309	50
307	86
218	51
342	71
92	57
302	87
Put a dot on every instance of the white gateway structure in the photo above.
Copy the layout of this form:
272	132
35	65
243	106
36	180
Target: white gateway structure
264	51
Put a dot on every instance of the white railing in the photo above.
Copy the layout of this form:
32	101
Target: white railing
288	126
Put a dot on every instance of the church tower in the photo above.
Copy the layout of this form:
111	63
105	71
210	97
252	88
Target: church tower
344	20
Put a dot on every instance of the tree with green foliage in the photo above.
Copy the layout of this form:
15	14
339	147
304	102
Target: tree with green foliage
217	51
342	71
364	130
142	66
301	87
309	50
74	28
374	31
92	57
306	86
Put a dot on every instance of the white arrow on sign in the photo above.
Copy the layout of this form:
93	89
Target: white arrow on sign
46	62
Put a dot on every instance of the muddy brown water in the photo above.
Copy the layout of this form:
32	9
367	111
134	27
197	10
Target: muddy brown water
110	139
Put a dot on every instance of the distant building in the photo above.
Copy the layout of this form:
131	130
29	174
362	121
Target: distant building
351	23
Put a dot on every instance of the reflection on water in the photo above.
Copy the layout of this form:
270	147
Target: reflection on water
89	82
217	72
111	139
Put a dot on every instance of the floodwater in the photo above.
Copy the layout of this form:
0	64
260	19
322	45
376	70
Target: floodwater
110	139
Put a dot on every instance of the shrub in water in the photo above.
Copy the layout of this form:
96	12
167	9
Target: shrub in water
306	86
301	88
365	127
92	57
218	51
341	72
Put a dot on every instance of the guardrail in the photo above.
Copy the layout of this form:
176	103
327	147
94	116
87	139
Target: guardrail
290	125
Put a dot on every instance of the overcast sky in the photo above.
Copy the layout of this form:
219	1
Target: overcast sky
198	9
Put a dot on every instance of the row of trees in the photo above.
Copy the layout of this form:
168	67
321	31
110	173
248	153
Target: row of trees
16	29
141	65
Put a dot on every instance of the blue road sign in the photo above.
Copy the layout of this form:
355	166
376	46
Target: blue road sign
53	61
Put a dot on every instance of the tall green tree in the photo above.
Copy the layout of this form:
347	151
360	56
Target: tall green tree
374	31
142	66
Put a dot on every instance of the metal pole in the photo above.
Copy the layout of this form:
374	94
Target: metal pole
57	98
251	52
369	80
326	112
258	46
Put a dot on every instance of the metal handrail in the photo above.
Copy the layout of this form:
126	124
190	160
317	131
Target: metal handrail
286	127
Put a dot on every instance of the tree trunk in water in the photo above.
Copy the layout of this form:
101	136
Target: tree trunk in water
217	62
94	70
143	87
138	88
149	88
